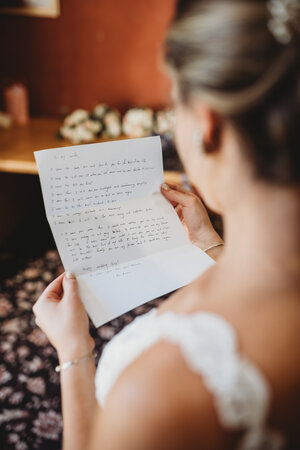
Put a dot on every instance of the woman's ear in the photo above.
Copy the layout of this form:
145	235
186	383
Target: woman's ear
211	124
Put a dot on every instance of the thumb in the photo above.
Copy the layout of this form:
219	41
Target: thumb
70	285
175	196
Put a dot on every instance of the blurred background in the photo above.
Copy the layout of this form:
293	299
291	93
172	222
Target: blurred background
71	72
96	50
58	56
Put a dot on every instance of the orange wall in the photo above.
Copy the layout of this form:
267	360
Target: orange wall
97	50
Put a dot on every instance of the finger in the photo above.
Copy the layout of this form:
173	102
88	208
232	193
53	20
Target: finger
54	289
192	193
177	196
174	204
178	209
163	190
178	187
70	286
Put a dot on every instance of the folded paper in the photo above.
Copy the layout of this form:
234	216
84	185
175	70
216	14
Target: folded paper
112	226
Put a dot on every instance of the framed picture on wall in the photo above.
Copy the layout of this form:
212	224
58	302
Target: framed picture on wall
42	8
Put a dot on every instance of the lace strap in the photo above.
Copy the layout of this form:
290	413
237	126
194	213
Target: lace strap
209	346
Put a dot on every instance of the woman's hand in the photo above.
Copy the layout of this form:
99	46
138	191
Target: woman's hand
193	215
61	315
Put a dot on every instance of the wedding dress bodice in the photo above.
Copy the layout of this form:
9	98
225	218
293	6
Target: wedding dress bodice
209	346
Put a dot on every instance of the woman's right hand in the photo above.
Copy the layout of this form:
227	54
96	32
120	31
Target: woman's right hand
61	315
193	215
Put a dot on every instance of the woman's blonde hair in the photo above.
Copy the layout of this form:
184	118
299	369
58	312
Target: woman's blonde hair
224	52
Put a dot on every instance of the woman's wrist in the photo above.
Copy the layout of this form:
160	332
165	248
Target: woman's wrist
215	251
75	350
75	361
206	238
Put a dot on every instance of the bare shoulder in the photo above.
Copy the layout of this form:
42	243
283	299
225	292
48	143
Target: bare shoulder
268	332
158	402
268	329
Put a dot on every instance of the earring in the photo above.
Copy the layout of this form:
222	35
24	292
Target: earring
198	141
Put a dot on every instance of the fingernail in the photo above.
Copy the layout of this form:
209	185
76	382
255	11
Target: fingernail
70	275
165	187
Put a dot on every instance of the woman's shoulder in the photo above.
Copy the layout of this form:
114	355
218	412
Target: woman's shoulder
267	328
168	403
262	338
268	334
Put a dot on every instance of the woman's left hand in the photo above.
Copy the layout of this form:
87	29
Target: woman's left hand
193	215
61	315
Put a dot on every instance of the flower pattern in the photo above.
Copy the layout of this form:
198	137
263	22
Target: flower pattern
30	405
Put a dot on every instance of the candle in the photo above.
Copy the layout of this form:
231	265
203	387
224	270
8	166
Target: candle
5	120
16	101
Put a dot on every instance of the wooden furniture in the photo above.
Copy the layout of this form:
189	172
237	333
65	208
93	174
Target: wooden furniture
17	163
17	145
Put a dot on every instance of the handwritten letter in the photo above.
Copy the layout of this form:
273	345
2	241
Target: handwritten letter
112	226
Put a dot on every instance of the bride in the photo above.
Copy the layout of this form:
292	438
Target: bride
217	365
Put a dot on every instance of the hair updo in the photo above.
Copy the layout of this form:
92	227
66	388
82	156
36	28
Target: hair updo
225	52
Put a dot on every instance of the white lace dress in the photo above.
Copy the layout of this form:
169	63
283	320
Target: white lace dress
209	346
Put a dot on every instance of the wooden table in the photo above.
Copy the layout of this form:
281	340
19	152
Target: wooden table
17	163
18	143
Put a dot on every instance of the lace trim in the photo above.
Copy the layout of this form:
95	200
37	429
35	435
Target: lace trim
209	345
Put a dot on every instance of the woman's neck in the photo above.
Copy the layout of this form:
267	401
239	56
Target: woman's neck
262	236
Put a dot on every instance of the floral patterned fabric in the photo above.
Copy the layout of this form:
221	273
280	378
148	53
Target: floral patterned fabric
30	407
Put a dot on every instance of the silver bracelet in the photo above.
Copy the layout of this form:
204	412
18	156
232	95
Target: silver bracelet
213	246
67	364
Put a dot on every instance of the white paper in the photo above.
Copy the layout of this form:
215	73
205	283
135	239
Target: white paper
112	226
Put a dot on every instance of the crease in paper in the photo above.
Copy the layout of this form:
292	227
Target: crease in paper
112	226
